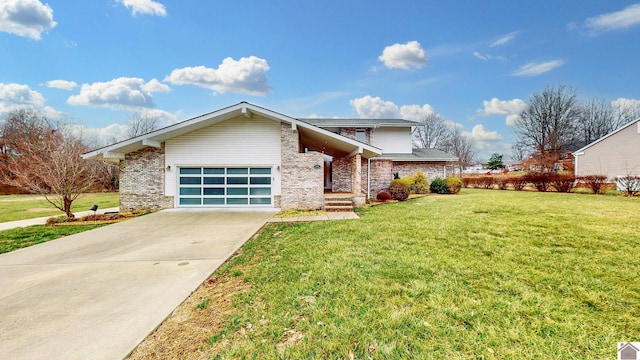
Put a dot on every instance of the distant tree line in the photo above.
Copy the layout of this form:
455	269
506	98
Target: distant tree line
554	123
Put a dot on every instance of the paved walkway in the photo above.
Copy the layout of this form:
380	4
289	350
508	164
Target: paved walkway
43	220
97	294
343	215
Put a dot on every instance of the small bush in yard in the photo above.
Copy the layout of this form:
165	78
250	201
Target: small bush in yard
541	181
453	185
629	185
399	189
503	181
563	182
518	182
419	183
594	182
486	182
438	186
466	181
384	196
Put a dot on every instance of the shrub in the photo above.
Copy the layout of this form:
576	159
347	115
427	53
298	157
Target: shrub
518	182
466	181
486	182
419	183
502	181
453	185
563	182
541	181
438	186
630	184
384	196
399	189
594	182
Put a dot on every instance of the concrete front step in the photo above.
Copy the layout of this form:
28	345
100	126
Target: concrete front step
338	204
338	208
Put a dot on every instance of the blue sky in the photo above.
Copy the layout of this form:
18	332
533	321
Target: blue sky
95	63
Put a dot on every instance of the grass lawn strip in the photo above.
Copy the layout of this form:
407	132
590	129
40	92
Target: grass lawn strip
20	207
18	238
484	274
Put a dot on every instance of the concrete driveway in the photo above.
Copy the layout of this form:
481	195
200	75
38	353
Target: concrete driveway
97	294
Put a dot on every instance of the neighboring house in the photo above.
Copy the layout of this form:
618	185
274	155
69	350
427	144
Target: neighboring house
248	156
616	154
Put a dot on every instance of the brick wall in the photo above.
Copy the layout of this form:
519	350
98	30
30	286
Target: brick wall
409	168
142	180
341	175
381	175
302	184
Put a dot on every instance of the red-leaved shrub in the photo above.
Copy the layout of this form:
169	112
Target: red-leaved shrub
563	182
594	182
541	181
399	190
384	196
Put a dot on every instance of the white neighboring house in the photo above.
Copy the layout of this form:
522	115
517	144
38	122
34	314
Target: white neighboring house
614	155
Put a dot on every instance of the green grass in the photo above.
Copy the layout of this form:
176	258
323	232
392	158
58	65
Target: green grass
480	275
20	207
31	235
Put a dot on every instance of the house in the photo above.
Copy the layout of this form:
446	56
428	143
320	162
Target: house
614	155
249	156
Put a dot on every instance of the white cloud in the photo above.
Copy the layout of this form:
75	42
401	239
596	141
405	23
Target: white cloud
625	103
404	56
14	96
28	18
480	56
121	93
245	76
479	133
535	69
62	84
148	7
510	108
505	39
99	137
623	19
486	57
376	108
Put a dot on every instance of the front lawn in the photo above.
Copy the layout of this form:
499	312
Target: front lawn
18	238
483	274
20	207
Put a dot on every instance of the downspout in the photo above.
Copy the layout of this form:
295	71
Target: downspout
368	178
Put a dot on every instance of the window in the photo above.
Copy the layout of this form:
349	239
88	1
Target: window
361	135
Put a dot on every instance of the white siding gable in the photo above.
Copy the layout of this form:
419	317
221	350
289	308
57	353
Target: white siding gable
240	141
615	155
393	139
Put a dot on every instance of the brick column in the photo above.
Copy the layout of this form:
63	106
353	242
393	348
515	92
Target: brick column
356	174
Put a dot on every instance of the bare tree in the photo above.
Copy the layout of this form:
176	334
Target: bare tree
142	123
626	110
597	118
519	152
44	158
432	133
462	147
547	125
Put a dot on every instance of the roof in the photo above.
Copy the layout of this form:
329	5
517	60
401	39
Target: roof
421	155
313	134
363	123
579	151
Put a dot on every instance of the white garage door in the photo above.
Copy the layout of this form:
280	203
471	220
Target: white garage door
225	186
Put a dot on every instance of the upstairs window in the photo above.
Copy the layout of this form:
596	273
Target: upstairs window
361	135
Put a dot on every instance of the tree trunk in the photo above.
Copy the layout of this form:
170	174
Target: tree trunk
67	207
